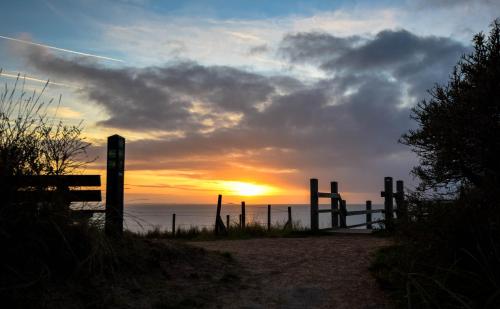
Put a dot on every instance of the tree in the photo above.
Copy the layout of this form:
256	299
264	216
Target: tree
458	134
31	141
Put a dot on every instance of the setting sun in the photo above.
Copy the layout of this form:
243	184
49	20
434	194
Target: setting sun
246	189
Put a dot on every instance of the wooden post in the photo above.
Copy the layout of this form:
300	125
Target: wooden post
217	214
219	224
227	221
268	218
290	216
334	189
314	204
343	214
368	214
243	216
401	210
114	186
387	194
173	225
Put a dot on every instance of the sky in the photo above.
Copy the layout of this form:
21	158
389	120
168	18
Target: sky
249	99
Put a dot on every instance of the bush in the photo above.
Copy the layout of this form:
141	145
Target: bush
448	254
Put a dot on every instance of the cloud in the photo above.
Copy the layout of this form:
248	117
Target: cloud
455	3
315	47
258	49
415	60
143	36
184	96
344	126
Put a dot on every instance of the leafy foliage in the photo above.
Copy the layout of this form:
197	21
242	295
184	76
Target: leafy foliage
458	128
448	253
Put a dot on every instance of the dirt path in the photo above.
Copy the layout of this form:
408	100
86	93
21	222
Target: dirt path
312	272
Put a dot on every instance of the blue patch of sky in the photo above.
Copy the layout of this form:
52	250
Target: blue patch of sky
251	9
76	24
62	21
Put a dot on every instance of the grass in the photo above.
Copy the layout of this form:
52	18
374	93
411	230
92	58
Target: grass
54	262
449	258
134	272
251	230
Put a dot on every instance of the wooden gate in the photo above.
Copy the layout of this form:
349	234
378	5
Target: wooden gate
339	212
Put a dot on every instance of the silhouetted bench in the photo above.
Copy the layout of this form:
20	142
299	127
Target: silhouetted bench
55	189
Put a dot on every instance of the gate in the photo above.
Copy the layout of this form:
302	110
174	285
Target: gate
339	212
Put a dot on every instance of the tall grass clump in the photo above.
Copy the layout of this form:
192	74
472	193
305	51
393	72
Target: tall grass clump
234	231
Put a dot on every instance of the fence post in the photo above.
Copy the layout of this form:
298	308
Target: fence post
227	221
368	214
290	217
401	210
219	225
334	189
314	204
173	225
243	216
114	186
217	214
343	214
268	218
387	194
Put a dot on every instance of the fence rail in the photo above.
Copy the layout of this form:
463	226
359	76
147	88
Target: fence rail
65	189
339	212
55	180
364	212
366	223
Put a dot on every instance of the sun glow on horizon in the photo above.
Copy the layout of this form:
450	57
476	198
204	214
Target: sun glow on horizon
247	189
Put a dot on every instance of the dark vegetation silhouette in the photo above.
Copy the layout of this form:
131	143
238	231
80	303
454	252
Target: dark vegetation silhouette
448	255
51	259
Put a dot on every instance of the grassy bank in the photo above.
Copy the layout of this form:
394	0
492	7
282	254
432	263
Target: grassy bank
251	230
448	256
52	261
49	264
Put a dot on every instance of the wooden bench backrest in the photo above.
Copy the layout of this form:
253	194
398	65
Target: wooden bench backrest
36	188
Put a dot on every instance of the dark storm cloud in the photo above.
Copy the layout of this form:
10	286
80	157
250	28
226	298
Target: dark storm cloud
315	47
418	61
224	88
399	51
345	126
131	100
162	98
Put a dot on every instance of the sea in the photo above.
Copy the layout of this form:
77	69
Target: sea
146	217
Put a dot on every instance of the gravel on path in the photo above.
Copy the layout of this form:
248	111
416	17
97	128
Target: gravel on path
310	272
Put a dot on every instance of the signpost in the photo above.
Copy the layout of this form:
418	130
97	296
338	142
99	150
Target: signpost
114	185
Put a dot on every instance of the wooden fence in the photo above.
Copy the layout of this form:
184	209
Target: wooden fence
338	209
339	212
221	228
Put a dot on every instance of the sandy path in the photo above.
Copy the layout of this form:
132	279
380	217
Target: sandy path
312	272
